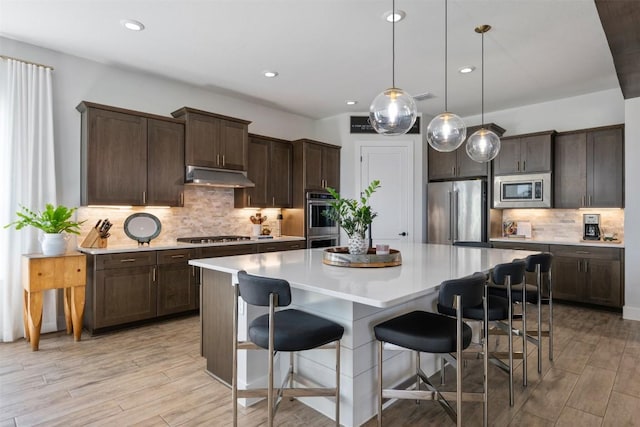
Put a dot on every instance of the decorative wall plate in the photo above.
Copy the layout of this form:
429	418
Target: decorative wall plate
142	227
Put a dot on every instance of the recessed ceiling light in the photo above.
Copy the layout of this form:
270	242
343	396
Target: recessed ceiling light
352	102
394	17
270	74
132	25
466	69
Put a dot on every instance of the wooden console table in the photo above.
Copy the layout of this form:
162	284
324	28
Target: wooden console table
41	273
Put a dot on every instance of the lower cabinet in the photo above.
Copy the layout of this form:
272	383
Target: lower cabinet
589	275
281	246
177	290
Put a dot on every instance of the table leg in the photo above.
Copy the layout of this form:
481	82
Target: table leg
34	318
67	308
77	310
25	314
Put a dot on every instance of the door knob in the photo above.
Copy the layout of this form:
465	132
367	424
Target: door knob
404	233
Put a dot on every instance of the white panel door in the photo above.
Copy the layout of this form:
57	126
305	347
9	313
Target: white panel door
392	165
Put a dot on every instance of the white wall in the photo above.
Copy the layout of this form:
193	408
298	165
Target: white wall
632	209
77	80
336	130
578	112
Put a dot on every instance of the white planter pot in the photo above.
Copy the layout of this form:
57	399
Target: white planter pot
54	244
358	245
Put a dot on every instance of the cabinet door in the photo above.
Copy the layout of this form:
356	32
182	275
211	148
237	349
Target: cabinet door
605	168
468	168
201	143
258	171
313	167
233	145
124	295
508	159
603	284
281	246
442	165
535	153
568	279
165	167
116	162
331	167
570	172
280	174
176	292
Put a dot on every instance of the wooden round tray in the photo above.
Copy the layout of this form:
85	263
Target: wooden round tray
342	258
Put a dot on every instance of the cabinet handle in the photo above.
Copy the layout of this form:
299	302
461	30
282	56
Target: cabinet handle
182	199
273	201
294	247
128	260
582	201
453	170
144	197
524	166
583	252
154	274
193	271
249	200
177	256
518	165
223	160
586	266
589	199
218	159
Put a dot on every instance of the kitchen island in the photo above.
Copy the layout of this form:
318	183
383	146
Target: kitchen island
357	298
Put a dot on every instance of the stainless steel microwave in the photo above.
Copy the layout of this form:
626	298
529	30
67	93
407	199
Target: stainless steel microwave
522	191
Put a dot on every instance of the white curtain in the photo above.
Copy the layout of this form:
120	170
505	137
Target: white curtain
27	177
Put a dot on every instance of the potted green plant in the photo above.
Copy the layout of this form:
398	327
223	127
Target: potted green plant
53	221
354	216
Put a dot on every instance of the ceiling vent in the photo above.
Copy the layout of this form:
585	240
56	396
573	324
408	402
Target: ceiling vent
423	96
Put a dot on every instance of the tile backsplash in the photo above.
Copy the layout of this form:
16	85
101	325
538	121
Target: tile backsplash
564	224
207	211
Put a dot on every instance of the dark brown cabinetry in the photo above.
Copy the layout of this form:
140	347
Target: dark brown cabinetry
281	246
457	164
213	140
270	168
526	246
321	165
531	153
176	282
130	158
589	170
589	275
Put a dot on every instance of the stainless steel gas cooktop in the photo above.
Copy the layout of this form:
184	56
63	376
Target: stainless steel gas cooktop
213	239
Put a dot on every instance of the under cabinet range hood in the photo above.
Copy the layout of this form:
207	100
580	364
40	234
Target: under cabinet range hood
197	175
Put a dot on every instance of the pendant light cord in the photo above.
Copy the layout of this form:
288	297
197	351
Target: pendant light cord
482	91
393	43
445	56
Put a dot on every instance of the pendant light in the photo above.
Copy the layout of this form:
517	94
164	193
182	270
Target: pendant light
394	111
446	132
484	145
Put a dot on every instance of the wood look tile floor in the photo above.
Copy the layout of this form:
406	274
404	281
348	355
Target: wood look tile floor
154	376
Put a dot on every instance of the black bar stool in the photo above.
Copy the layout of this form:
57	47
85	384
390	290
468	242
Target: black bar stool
425	332
540	264
288	330
506	278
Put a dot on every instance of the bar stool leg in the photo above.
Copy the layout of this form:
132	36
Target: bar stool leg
524	338
270	397
380	345
338	383
550	316
234	367
539	286
510	336
459	360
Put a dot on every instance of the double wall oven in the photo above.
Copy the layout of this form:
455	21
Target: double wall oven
321	231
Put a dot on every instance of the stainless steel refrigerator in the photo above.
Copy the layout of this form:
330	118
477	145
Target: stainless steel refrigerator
457	211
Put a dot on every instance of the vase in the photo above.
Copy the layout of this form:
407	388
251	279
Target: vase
358	245
53	244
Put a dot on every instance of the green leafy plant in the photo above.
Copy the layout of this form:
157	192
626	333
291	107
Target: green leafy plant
51	220
354	216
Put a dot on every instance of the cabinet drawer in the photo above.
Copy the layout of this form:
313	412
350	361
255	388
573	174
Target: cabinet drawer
126	259
521	246
174	256
587	252
216	251
281	246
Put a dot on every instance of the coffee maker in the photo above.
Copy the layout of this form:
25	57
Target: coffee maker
591	224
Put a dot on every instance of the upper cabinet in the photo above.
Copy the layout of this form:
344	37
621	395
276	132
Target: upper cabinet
320	165
589	168
270	168
457	164
213	140
130	158
531	153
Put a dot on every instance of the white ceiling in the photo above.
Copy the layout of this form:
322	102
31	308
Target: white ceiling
330	51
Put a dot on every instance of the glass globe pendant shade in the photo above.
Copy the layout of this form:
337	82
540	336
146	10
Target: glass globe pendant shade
483	146
393	112
446	132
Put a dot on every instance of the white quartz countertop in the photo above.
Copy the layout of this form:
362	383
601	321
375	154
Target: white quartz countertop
597	243
159	246
424	267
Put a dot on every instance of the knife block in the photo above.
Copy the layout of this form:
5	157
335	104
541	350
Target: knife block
93	240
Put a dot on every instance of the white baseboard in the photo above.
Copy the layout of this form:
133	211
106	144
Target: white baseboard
630	313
